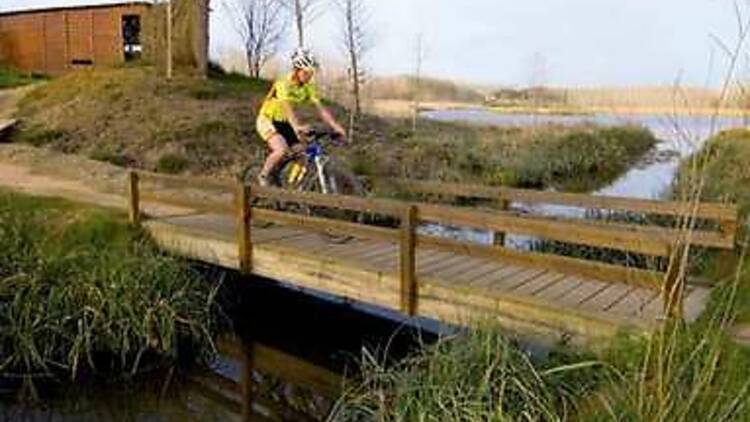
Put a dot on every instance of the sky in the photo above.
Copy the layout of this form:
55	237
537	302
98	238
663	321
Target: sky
516	43
558	42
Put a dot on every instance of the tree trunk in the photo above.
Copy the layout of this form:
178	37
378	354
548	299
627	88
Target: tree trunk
299	17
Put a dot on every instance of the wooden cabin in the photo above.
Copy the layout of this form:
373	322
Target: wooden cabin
55	37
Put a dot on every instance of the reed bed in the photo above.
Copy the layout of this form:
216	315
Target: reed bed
82	294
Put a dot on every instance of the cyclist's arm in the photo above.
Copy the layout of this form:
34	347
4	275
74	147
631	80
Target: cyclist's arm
327	117
292	116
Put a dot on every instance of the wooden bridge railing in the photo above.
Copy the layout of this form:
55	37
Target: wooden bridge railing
654	241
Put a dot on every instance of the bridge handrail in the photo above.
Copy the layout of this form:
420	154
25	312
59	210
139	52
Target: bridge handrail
705	210
647	240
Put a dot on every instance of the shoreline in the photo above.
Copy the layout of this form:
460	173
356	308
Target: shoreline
402	108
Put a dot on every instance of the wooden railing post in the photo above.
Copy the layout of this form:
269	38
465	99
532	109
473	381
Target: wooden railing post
673	291
499	237
244	220
407	262
134	199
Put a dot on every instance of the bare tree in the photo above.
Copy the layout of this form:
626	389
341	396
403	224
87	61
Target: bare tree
304	12
419	52
355	43
260	24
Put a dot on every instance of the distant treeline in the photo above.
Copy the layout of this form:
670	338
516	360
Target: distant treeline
430	89
656	96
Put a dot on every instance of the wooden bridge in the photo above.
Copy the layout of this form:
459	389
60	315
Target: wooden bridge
396	266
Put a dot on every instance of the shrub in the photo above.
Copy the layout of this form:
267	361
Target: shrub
110	157
172	163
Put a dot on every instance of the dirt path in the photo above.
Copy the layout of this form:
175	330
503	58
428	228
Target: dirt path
39	172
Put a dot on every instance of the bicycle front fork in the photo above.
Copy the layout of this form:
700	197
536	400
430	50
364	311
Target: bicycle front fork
320	165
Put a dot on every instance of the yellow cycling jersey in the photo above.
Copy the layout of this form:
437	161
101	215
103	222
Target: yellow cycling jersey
287	90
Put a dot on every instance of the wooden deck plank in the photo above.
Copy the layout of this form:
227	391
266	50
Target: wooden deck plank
481	270
515	280
634	304
454	272
586	289
558	289
359	251
606	298
538	284
425	257
386	261
439	268
499	273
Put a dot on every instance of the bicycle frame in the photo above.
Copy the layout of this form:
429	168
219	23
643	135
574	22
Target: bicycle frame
315	154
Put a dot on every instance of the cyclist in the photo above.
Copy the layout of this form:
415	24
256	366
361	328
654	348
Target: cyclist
278	124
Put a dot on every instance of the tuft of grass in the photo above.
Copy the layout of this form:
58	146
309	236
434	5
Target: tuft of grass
12	78
480	376
110	157
81	293
39	136
172	163
228	86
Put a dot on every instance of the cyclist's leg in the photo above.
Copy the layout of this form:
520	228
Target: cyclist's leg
277	146
278	149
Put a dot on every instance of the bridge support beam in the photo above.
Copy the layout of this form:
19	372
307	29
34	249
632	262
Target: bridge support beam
407	261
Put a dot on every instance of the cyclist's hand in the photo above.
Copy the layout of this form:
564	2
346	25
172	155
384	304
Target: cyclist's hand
303	131
341	137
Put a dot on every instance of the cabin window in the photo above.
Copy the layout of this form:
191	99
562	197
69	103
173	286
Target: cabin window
131	36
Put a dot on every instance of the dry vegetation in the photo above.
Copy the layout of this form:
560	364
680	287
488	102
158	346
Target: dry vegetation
131	117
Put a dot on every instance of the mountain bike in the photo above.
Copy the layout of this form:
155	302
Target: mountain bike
312	169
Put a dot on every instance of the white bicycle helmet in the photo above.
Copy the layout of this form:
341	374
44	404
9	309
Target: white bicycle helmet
304	59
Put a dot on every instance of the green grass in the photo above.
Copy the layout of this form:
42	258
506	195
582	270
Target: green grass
109	157
480	376
681	373
172	164
579	158
11	78
81	293
721	168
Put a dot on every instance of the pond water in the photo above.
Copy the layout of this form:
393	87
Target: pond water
651	178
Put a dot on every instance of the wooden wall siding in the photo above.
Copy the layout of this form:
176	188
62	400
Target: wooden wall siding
48	42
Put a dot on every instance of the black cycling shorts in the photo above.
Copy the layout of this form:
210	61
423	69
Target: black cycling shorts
287	131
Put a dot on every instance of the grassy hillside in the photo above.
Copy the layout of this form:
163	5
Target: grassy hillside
130	117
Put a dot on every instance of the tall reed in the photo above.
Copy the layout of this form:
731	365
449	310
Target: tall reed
81	293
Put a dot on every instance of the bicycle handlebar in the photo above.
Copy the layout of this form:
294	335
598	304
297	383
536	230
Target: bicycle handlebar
322	135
